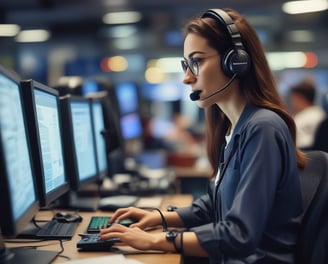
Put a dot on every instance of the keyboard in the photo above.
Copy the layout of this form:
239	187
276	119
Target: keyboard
98	222
57	230
91	242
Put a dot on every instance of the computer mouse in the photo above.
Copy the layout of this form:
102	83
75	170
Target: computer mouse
60	215
73	218
67	217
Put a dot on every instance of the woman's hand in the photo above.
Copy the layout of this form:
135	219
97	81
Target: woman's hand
143	218
142	240
134	237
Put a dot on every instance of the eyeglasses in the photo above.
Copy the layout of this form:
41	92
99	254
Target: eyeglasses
193	64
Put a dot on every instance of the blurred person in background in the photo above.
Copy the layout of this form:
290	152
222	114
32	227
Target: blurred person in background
307	114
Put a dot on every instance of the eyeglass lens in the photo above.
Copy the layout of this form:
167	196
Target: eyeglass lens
191	64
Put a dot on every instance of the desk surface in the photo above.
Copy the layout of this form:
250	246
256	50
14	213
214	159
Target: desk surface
71	251
192	172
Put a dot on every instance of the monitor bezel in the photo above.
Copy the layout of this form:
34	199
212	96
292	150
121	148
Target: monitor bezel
70	155
10	226
102	173
124	114
28	87
136	92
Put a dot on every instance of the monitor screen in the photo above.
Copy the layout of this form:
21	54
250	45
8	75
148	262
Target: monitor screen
131	126
99	128
127	97
90	86
79	140
44	122
18	195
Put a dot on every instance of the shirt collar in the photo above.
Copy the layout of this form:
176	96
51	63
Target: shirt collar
248	110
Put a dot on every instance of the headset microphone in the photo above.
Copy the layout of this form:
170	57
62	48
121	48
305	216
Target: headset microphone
195	96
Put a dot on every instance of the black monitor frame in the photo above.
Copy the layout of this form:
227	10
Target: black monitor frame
9	225
126	107
115	141
28	88
130	143
102	173
70	154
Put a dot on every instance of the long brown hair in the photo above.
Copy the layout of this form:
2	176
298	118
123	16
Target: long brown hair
258	86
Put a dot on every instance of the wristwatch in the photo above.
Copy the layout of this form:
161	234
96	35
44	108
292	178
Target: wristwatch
170	236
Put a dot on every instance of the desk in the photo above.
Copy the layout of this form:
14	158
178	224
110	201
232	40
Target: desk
71	251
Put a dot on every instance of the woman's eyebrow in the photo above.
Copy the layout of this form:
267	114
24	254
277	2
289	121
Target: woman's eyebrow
195	52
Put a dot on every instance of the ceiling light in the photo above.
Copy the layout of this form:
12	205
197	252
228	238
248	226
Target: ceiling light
304	6
70	81
122	31
133	42
114	64
122	17
115	3
34	35
283	60
9	30
169	65
154	75
301	36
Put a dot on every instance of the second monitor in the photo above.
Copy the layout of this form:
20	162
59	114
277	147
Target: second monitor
44	125
80	148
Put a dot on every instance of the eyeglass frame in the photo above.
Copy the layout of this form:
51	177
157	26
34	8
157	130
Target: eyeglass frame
191	62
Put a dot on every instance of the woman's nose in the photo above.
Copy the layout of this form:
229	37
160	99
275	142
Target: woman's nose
188	77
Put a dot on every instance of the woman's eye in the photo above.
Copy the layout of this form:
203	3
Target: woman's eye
196	61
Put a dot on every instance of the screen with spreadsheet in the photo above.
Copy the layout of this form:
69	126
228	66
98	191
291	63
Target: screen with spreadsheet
18	195
44	123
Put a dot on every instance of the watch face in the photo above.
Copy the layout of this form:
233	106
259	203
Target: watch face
171	235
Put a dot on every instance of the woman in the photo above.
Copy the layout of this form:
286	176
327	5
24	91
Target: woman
251	214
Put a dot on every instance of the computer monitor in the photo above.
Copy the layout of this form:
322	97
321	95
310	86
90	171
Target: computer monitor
80	150
111	133
127	99
18	193
43	115
131	126
19	201
90	87
98	124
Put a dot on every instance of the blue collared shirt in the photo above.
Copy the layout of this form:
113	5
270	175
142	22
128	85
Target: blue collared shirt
253	216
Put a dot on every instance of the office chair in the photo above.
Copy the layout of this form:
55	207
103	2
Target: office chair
312	244
320	137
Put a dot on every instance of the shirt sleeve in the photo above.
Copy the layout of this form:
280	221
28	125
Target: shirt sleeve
199	213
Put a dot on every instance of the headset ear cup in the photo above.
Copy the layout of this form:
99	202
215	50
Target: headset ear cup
235	62
225	63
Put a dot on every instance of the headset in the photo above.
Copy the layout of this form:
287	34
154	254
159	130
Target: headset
236	60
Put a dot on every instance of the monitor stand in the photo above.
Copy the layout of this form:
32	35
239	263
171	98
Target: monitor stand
72	200
29	232
25	255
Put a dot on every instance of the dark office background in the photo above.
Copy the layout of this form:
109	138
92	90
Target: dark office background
78	43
